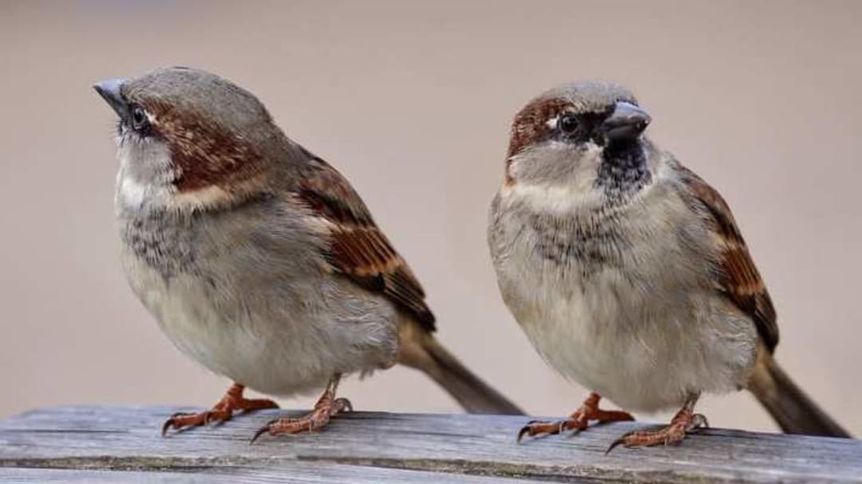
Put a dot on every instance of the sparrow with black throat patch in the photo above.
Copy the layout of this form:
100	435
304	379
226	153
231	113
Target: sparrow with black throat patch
628	272
258	259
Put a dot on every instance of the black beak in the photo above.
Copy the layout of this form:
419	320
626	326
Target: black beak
110	91
626	122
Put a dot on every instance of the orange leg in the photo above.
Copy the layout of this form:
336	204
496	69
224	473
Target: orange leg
683	422
327	407
578	421
221	412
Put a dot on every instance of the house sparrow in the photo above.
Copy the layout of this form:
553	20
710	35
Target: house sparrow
258	259
628	273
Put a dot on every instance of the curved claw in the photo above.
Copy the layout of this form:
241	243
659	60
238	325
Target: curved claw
550	428
167	425
524	430
259	432
699	421
263	430
171	422
343	405
615	444
194	420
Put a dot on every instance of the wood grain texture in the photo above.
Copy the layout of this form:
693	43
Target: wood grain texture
123	444
299	472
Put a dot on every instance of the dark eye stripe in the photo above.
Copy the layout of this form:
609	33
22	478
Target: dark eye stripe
581	128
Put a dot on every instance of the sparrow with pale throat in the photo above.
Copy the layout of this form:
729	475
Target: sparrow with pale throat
628	272
258	259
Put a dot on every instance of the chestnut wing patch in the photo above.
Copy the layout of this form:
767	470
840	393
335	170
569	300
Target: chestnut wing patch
739	279
358	249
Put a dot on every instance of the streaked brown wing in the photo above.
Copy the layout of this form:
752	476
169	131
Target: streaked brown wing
738	277
358	249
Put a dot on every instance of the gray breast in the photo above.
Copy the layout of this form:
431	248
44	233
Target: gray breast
165	241
585	244
261	241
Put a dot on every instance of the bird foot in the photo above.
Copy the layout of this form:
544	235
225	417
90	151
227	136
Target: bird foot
220	413
318	418
578	421
684	422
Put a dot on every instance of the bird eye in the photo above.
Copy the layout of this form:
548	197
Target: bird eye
567	123
139	118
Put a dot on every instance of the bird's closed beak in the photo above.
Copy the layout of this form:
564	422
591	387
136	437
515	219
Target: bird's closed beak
110	91
626	122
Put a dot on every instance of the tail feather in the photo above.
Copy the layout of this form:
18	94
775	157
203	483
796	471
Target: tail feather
420	350
791	408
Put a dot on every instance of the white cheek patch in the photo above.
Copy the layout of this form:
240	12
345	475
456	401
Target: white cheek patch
577	191
131	193
134	195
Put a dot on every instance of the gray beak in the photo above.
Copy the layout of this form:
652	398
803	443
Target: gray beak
627	122
110	91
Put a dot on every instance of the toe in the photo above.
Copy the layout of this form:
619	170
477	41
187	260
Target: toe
181	421
633	439
672	434
217	417
537	427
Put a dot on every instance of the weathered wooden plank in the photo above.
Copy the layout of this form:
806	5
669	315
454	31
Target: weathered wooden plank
127	439
294	472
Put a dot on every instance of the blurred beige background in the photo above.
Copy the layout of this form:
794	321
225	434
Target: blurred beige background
412	101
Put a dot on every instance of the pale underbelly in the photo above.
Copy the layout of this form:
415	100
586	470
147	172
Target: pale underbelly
642	356
285	353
